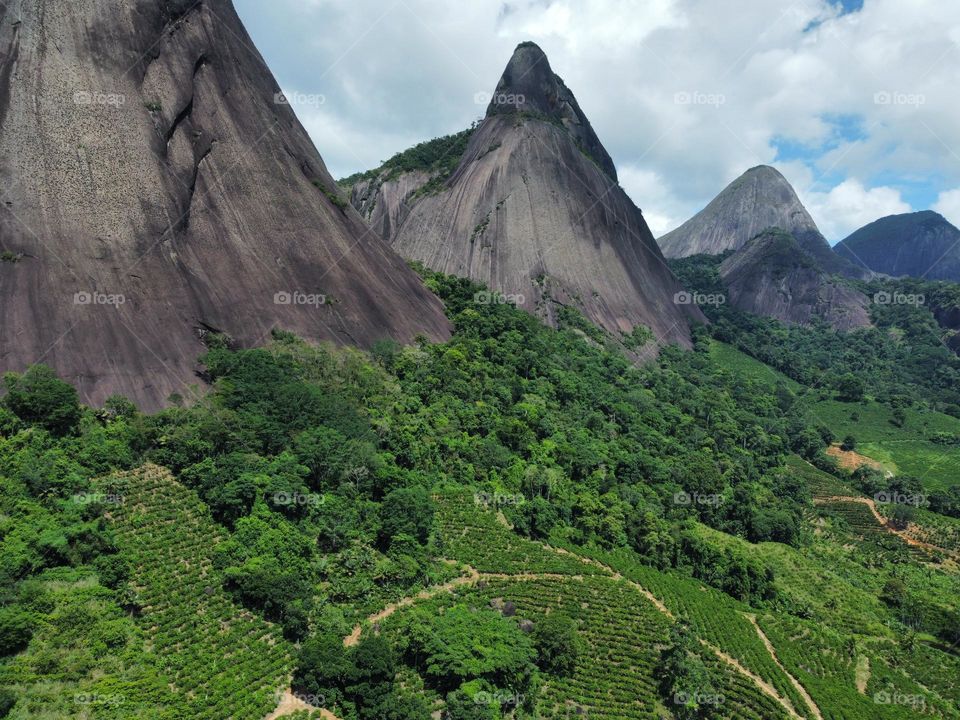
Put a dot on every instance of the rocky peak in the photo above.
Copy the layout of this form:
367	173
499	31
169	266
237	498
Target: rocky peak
529	86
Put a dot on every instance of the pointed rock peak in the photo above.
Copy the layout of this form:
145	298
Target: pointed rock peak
529	86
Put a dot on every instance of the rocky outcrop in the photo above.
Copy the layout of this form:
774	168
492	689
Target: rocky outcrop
385	201
773	275
533	210
157	188
761	198
922	244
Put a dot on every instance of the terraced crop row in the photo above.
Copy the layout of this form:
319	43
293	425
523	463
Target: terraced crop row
870	535
472	535
825	662
715	617
220	661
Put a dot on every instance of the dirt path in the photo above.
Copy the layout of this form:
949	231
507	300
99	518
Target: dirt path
903	535
474	576
762	684
290	704
863	673
793	681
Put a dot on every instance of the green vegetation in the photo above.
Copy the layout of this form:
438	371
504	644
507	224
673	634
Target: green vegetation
519	521
331	195
8	256
438	157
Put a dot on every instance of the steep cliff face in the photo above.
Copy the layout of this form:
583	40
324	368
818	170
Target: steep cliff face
761	198
922	244
773	276
533	210
157	188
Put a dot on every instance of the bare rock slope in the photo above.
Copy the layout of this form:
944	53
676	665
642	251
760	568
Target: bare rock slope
533	210
773	275
761	198
156	190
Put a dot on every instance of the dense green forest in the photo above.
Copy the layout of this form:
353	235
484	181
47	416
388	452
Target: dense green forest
325	469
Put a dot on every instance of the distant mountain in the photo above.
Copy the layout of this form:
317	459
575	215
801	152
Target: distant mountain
158	188
761	198
773	275
922	244
532	208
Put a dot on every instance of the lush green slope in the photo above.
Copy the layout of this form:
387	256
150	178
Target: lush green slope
669	517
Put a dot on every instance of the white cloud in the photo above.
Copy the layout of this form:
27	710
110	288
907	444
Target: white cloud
396	73
662	210
948	205
849	206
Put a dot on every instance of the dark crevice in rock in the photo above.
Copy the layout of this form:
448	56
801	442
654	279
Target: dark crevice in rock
173	19
192	189
187	110
8	61
177	121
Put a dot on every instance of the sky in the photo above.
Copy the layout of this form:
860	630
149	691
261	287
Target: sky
856	102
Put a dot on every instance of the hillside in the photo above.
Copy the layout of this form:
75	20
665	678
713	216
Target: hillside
922	245
159	190
532	210
773	276
517	522
759	199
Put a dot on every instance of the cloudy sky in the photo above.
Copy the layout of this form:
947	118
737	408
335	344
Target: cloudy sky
857	102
